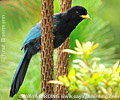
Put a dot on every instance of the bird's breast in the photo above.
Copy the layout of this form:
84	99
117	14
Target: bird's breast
58	40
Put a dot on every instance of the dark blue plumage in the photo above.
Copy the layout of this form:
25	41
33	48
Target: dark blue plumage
19	65
34	33
64	23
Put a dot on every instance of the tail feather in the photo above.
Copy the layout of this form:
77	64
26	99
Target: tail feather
20	73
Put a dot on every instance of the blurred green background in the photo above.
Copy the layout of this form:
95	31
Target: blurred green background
22	15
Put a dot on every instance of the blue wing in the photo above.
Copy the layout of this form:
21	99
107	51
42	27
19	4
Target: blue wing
36	31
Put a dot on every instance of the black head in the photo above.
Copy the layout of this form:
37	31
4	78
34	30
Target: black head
78	13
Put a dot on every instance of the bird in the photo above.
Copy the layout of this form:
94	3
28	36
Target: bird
63	24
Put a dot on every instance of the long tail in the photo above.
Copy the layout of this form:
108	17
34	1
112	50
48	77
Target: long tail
20	73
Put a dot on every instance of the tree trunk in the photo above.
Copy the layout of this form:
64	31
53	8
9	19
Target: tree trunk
62	57
47	48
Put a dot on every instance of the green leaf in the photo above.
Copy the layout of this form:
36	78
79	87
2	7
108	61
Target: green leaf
104	90
56	82
69	51
64	80
73	88
95	79
78	44
71	75
114	68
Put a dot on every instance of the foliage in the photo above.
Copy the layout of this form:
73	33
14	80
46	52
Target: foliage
87	76
96	30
